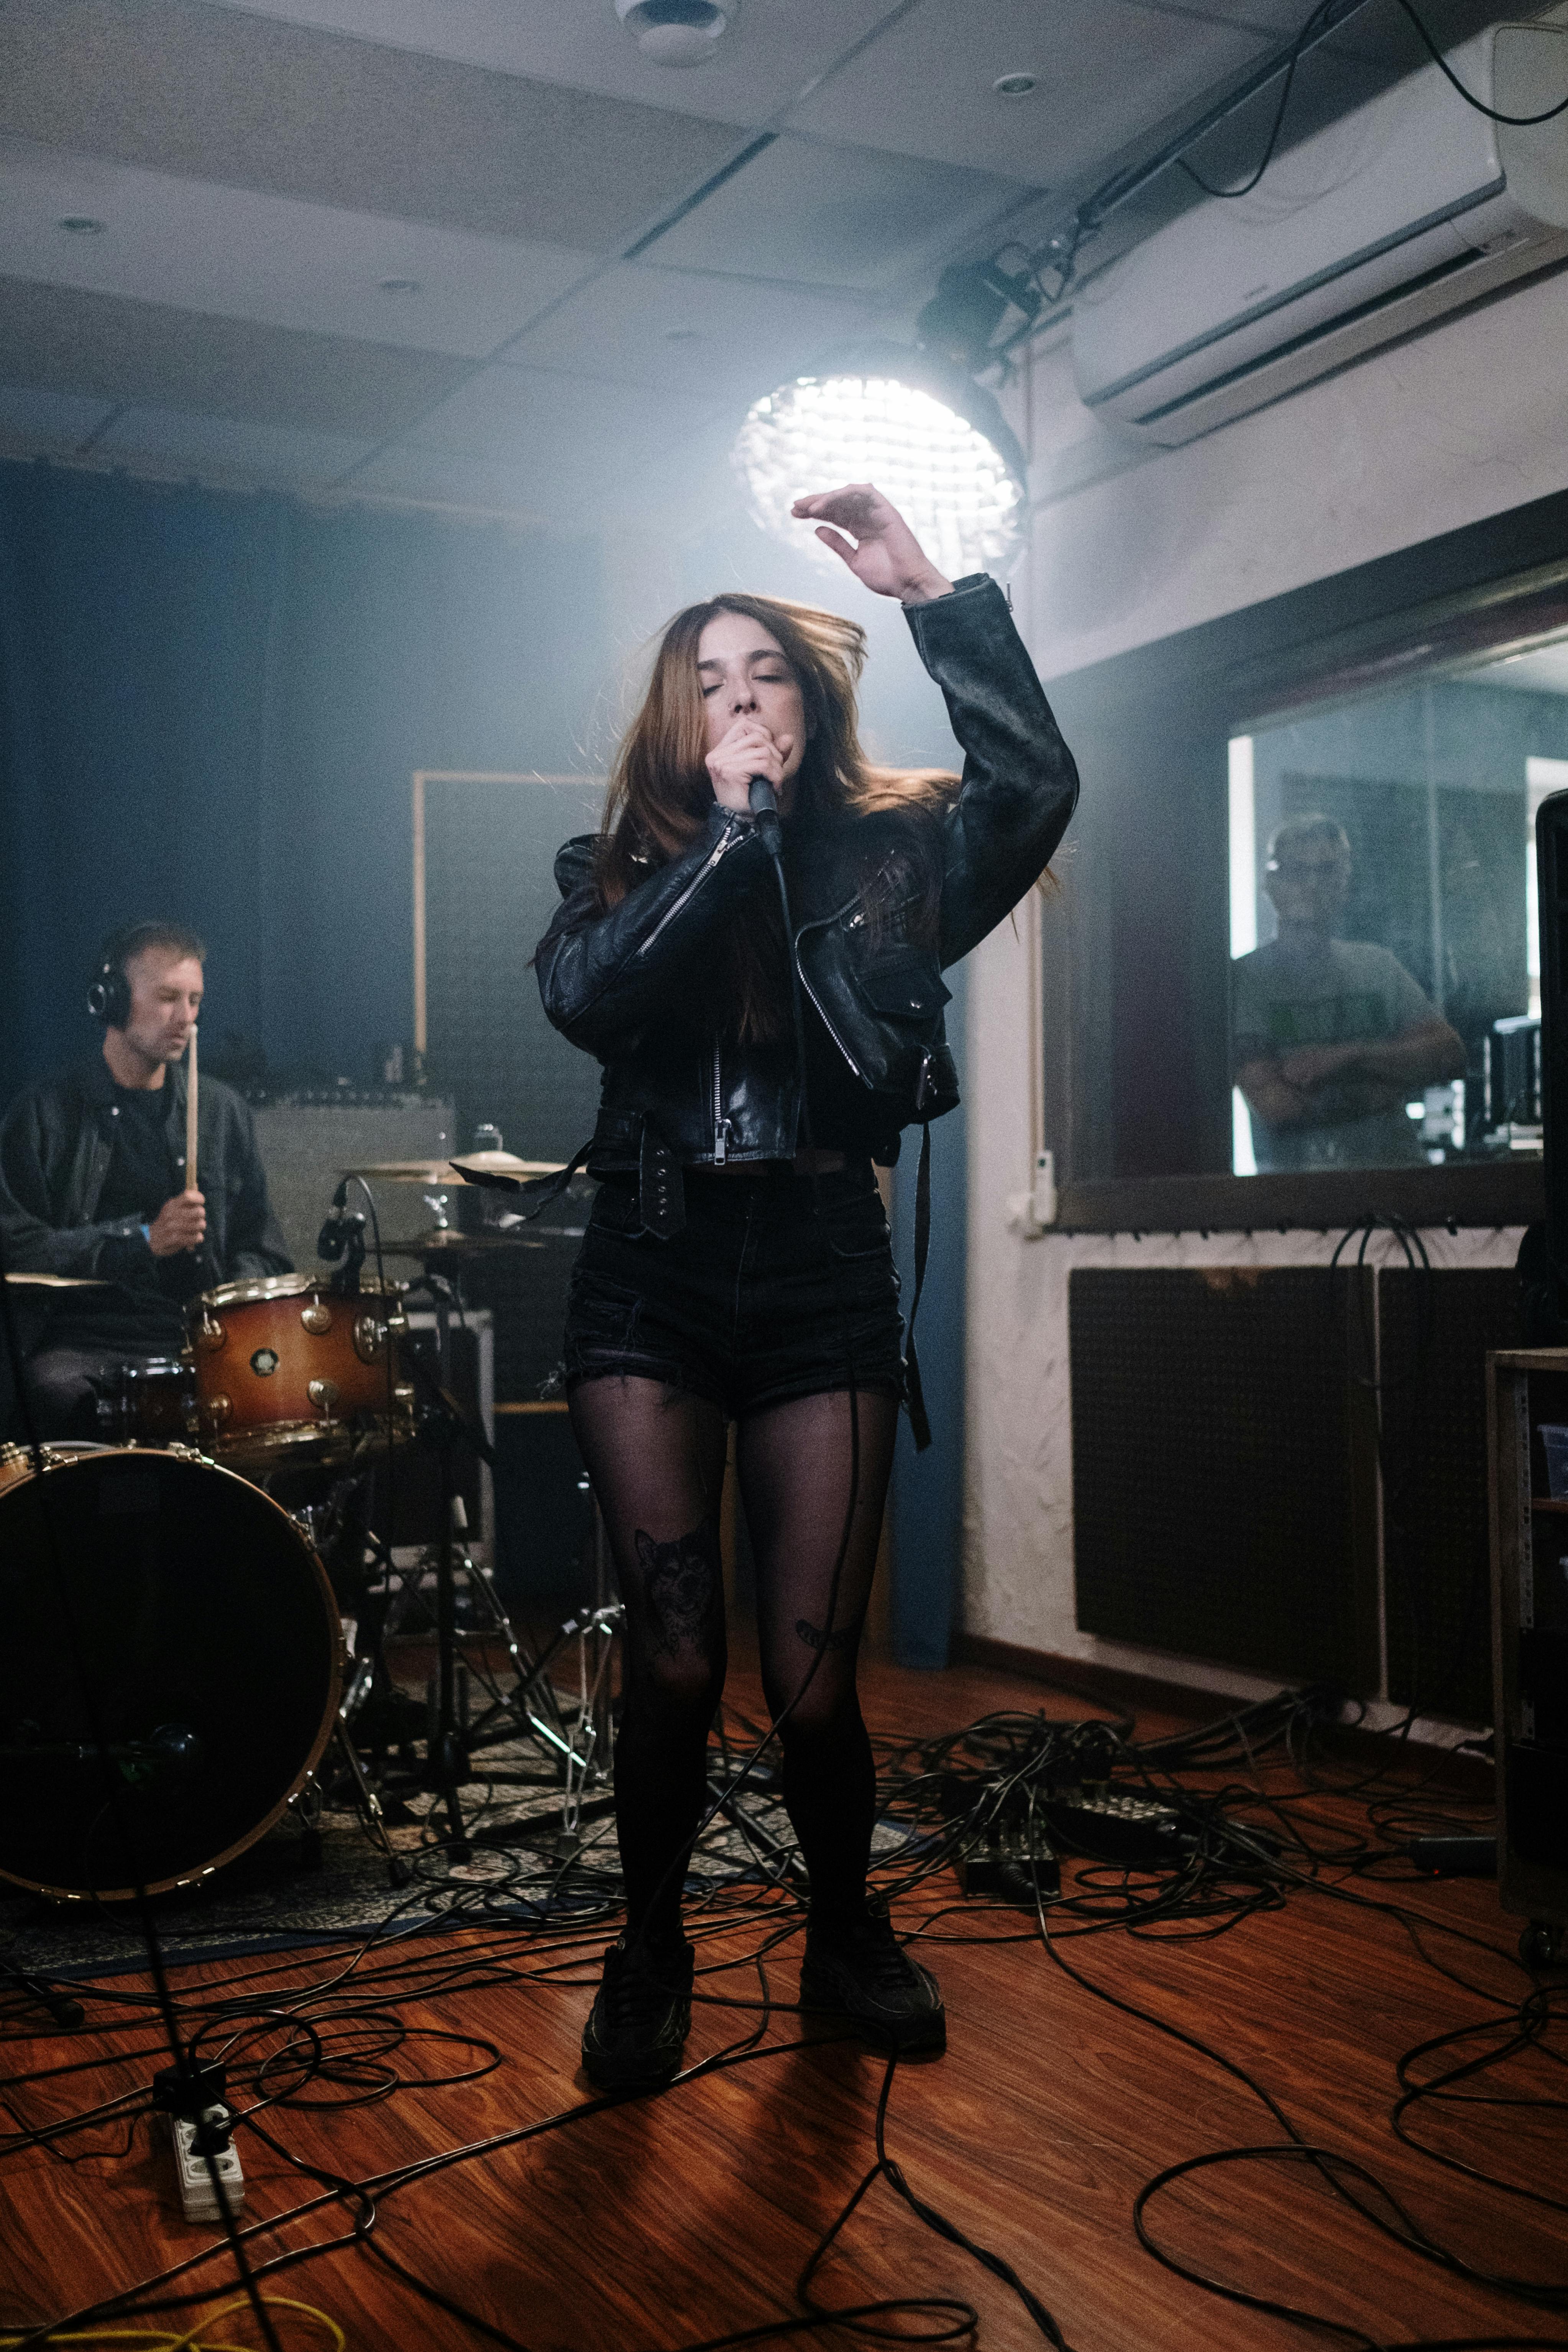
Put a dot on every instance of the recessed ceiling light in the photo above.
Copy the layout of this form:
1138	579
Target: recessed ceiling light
79	224
676	31
1014	85
399	285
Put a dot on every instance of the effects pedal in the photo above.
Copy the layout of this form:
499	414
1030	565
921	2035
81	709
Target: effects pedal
1010	1865
1110	1825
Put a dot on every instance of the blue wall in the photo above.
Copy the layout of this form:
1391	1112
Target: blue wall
211	707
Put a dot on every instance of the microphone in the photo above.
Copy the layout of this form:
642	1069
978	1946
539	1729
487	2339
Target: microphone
332	1239
765	809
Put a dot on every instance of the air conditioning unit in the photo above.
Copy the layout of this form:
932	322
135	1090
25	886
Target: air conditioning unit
1375	227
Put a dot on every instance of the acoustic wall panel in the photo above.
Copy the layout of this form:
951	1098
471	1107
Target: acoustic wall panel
1224	1476
1434	1330
487	849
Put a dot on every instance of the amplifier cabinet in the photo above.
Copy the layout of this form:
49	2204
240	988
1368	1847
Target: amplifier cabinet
306	1144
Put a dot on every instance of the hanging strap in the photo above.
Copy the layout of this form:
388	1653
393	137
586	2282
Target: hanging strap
914	1394
533	1194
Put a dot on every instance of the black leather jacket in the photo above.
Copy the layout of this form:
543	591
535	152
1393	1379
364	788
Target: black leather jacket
56	1143
636	985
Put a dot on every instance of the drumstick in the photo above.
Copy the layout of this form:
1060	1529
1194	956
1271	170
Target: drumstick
191	1118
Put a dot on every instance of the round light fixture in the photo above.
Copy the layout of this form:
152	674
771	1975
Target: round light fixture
79	224
933	442
1014	85
676	31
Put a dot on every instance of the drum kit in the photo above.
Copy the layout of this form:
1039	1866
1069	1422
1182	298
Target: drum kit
174	1678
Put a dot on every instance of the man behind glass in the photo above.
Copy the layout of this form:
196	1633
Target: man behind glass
1329	1037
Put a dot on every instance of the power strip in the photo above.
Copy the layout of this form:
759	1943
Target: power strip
197	2182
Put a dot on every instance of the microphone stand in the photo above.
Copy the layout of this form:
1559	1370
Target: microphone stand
447	1764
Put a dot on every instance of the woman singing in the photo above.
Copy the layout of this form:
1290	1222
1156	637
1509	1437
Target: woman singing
737	1265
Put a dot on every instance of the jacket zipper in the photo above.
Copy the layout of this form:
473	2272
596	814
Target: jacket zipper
721	1124
821	925
720	846
811	992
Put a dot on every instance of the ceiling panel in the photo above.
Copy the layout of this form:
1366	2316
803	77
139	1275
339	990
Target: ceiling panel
188	243
530	415
774	50
58	338
812	212
181	85
687	335
208	443
580	451
484	484
50	420
1106	72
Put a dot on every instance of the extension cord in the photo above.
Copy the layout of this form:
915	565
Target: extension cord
196	2184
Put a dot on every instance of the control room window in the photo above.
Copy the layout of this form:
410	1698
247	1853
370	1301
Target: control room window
1385	974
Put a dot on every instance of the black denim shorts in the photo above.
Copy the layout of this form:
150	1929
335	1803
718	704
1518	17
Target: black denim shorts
757	1301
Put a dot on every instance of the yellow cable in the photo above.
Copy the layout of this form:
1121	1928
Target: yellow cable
194	2340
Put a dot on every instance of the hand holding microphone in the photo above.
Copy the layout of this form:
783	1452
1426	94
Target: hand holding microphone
747	749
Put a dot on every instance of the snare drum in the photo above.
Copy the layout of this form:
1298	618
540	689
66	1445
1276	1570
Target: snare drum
151	1403
288	1369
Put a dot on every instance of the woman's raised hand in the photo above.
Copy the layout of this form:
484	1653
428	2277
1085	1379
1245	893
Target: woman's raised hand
748	749
881	550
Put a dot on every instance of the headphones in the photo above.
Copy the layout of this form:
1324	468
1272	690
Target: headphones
108	992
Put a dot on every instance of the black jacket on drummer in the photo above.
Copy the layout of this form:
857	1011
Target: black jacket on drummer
85	1163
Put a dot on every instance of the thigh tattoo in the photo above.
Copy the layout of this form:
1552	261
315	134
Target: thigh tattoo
682	1584
816	1639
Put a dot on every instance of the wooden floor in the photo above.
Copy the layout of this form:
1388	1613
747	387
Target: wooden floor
678	2219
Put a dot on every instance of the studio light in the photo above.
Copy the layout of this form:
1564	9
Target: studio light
934	442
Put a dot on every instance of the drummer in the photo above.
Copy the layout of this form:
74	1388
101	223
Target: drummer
92	1182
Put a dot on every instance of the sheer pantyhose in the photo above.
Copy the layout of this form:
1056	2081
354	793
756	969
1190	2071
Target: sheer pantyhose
656	1460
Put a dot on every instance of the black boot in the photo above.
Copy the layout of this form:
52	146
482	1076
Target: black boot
640	2018
859	1971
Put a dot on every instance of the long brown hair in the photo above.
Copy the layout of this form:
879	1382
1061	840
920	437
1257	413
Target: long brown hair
660	793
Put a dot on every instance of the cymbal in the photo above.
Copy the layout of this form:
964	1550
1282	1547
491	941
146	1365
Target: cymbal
448	1242
441	1171
60	1282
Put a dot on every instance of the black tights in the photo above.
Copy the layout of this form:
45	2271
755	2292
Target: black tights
655	1457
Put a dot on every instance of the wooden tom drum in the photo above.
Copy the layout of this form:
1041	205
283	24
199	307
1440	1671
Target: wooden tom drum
288	1369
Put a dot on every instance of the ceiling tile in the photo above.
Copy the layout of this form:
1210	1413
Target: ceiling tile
529	416
273	452
689	334
219	94
581	452
272	258
1107	72
831	215
775	47
48	420
58	338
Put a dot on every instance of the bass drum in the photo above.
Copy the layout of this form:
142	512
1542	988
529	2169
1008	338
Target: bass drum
194	1611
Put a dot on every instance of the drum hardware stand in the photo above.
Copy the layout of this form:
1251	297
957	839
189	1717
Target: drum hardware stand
447	1767
67	2013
